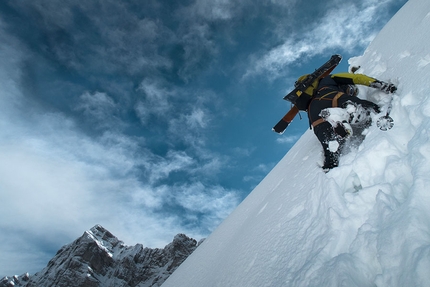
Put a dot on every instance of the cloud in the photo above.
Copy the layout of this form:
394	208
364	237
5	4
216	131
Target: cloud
100	109
287	139
56	180
197	119
115	39
345	27
173	161
36	182
155	101
205	205
190	126
210	11
187	112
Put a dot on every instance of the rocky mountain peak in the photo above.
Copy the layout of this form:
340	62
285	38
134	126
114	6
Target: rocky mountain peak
99	233
98	258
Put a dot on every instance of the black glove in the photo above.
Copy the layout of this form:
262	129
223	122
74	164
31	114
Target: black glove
341	131
385	87
370	106
376	108
389	88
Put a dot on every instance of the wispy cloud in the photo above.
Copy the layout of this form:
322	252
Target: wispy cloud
56	180
173	161
100	109
346	27
208	204
62	181
287	139
155	101
212	10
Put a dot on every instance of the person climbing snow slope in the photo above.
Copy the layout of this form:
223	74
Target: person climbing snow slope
339	91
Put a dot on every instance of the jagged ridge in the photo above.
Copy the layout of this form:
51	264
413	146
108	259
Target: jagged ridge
98	258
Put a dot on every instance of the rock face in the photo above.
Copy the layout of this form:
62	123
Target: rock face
99	259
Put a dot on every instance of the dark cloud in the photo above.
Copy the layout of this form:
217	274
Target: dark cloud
112	37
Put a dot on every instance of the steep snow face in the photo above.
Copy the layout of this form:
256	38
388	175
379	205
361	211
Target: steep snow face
365	223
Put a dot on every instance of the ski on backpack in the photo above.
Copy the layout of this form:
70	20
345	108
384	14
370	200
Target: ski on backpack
299	89
324	70
286	120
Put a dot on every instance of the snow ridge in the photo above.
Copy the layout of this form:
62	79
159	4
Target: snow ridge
365	223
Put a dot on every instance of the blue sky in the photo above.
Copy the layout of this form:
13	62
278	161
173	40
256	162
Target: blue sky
151	117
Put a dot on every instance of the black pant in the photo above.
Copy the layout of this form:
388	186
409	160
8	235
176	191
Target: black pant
324	131
325	135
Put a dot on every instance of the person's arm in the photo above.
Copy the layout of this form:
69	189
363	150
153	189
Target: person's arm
352	79
360	79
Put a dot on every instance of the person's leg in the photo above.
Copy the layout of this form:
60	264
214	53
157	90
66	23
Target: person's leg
331	144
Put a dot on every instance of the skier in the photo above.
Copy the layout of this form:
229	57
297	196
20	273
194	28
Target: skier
339	91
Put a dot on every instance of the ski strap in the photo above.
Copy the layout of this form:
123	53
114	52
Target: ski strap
334	102
317	122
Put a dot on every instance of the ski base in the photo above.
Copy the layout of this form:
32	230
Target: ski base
281	126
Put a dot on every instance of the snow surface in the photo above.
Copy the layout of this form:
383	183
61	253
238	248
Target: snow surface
365	223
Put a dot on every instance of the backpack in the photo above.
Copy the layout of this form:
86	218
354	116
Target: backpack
306	85
304	99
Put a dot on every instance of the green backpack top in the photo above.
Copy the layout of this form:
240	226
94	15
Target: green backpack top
305	97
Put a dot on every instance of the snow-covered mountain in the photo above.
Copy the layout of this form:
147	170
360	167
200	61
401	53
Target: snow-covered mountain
99	259
302	227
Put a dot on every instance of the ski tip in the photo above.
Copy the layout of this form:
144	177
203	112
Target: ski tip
337	58
278	132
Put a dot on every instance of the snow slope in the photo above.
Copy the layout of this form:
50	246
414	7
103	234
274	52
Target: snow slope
301	227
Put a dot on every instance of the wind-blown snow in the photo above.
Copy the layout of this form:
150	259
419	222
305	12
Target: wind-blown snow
365	223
